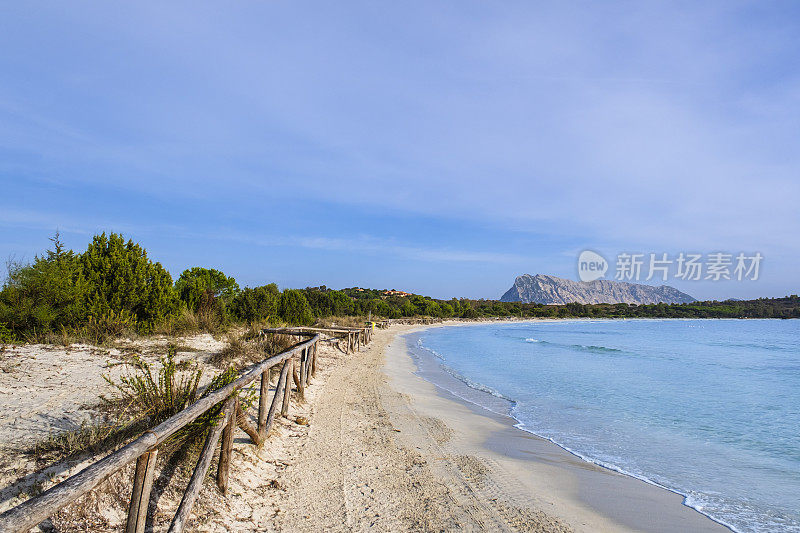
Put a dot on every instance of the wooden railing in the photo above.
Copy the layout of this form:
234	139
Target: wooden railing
415	320
144	449
356	337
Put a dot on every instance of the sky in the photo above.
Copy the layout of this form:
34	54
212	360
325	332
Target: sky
441	148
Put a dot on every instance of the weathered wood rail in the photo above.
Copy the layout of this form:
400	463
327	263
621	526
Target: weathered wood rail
356	337
299	362
415	320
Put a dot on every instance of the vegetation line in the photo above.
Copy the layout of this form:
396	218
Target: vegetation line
114	289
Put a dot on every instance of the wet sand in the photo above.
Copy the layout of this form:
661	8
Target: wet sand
537	473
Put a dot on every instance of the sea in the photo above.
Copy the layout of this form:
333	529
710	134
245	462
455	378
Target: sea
709	409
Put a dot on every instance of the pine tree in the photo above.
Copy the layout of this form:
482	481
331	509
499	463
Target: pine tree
294	308
125	285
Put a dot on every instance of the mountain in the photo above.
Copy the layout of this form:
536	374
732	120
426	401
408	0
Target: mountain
552	290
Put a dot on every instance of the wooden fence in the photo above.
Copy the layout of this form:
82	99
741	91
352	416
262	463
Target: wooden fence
356	337
300	361
415	320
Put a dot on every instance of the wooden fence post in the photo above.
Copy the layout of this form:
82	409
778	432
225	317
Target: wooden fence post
227	446
140	498
287	390
283	382
297	373
304	370
199	474
262	400
243	422
314	361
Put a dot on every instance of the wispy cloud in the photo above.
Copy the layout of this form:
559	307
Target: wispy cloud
377	246
632	125
30	219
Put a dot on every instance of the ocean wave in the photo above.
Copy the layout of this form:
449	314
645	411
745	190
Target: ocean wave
477	386
593	348
429	350
581	347
753	346
474	385
693	501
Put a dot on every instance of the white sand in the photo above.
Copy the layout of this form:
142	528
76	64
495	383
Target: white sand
385	450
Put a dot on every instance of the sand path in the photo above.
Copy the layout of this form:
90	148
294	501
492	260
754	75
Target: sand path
358	471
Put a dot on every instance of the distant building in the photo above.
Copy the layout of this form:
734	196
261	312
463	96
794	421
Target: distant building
393	292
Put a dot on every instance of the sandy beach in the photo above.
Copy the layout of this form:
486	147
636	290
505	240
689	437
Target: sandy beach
383	449
387	450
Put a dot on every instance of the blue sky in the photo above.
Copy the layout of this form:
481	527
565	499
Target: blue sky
436	147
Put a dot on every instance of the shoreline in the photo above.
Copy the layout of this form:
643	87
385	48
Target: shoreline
584	494
382	447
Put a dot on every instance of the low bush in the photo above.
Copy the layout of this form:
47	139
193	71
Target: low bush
294	309
184	322
5	334
87	438
235	349
207	292
256	304
110	324
158	395
142	400
108	290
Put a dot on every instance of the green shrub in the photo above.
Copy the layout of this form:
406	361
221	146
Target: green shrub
121	279
48	294
325	302
294	309
158	396
432	309
5	334
110	324
469	312
197	285
184	322
256	304
142	400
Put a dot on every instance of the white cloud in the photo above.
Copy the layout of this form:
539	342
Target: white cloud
629	125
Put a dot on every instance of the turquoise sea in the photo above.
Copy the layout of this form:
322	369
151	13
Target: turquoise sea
709	409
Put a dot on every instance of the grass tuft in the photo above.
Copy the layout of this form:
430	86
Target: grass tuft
143	399
158	395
